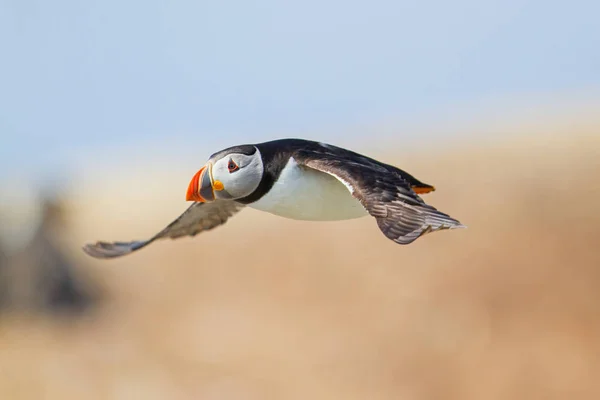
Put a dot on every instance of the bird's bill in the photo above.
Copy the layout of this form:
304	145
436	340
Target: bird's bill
201	188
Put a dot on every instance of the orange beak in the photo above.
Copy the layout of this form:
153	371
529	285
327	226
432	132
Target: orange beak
193	192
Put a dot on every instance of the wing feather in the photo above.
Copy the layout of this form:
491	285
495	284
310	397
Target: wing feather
385	193
197	218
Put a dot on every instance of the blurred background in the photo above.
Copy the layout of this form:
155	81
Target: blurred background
108	108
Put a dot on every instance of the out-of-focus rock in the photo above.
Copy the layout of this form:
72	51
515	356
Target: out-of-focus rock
3	267
40	277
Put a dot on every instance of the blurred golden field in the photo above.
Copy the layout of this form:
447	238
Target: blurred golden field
268	308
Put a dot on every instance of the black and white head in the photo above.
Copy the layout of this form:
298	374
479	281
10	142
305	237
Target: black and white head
230	174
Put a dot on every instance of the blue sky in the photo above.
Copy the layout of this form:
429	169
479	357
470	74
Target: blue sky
78	77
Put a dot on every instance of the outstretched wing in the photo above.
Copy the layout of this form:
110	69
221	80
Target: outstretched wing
401	214
197	218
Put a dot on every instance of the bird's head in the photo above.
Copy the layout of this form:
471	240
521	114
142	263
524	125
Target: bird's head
230	174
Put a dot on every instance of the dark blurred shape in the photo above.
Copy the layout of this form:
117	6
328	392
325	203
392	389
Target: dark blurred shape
41	277
3	282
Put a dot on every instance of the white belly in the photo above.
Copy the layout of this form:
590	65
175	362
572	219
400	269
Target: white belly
306	194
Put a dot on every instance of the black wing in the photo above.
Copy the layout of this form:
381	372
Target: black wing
197	218
383	191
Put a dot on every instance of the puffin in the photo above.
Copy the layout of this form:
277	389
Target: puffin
302	180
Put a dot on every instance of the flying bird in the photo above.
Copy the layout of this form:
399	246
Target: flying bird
302	180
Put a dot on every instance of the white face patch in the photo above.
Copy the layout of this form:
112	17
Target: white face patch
239	173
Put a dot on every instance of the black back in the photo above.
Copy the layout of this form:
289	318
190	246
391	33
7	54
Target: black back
276	153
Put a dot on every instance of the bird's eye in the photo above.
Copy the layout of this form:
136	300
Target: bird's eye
232	166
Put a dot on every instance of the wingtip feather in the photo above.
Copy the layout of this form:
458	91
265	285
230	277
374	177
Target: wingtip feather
104	250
